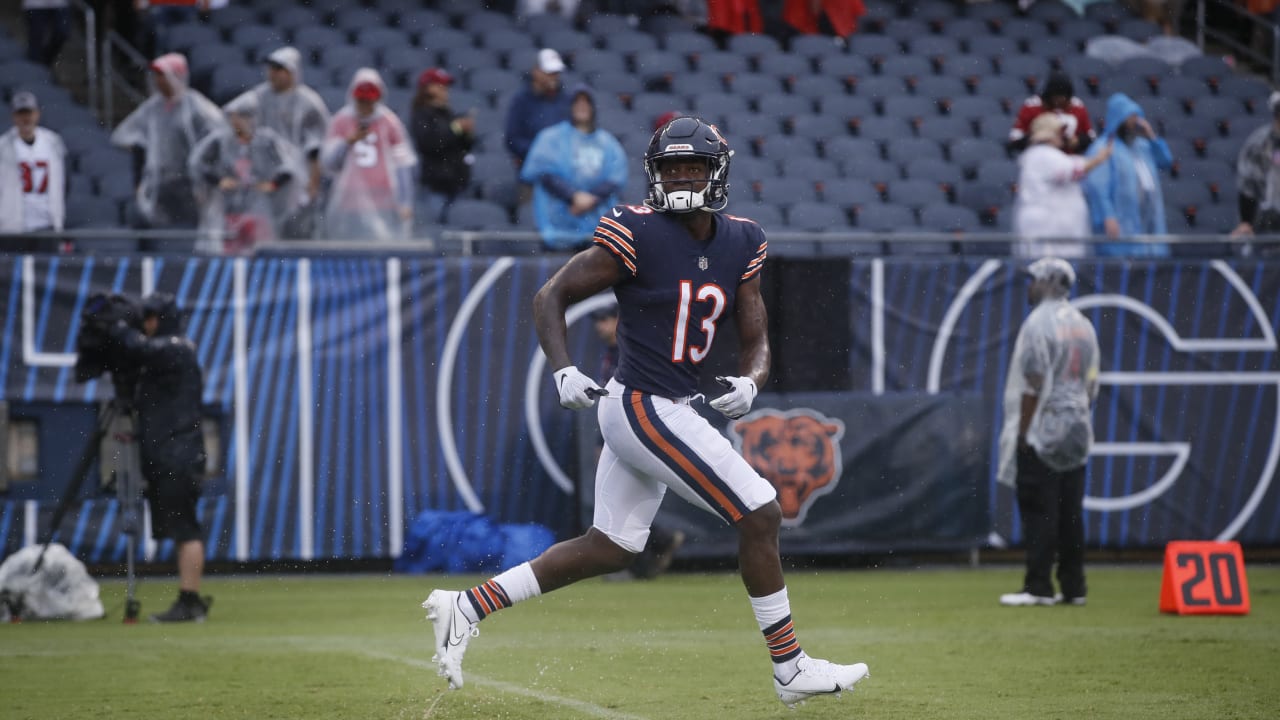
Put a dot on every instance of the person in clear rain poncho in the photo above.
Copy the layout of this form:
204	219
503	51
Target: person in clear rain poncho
247	181
1048	433
297	113
162	131
371	159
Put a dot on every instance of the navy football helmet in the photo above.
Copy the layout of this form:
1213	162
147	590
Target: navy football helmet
688	137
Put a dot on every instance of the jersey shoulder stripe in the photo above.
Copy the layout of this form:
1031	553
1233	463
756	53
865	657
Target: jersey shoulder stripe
757	262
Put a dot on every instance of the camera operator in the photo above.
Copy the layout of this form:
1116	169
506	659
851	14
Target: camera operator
160	366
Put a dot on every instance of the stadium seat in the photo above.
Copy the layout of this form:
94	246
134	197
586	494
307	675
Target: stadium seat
766	214
1009	91
566	41
993	47
816	87
90	211
1051	12
749	130
1134	86
786	190
886	217
965	28
975	107
877	89
912	108
687	43
1218	219
473	214
810	168
1080	31
1031	69
185	36
820	127
884	128
991	12
969	68
942	217
967	153
812	216
904	29
754	84
1186	192
607	25
1137	29
942	89
908	67
753	45
385	41
690	84
847	107
1209	68
539	24
782	106
444	39
403	66
987	199
849	192
628	43
941	172
481	22
998	171
937	48
657	65
257	36
747	169
933	12
785	66
915	193
494	82
722	104
419	21
905	149
316	40
878	172
1027	32
722	63
596	61
1252	91
228	81
875	48
652	105
845	150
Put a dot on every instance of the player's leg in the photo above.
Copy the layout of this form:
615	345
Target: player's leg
675	444
173	515
1070	541
1039	531
625	504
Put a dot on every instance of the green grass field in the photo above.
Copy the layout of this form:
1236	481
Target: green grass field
684	646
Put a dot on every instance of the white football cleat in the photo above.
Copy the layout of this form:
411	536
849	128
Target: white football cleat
1025	599
453	630
818	677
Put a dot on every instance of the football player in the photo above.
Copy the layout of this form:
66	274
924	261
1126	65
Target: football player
679	268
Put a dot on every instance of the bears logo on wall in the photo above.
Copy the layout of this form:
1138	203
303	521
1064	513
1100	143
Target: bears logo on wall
797	451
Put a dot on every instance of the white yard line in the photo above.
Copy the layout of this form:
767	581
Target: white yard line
473	679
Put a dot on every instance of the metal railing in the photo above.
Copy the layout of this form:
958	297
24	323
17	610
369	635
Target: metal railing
1242	18
112	80
90	52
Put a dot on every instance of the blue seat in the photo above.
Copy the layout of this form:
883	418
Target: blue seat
1186	192
991	12
875	48
904	29
915	193
1051	12
783	107
1152	69
444	39
812	216
988	200
754	85
1137	29
786	190
316	40
908	67
474	214
494	83
419	21
89	211
998	171
945	129
1252	91
819	126
691	84
103	161
403	66
746	169
231	16
969	68
1184	89
810	168
1209	68
994	47
968	153
815	87
846	68
946	175
1080	31
878	172
228	81
1218	219
687	42
847	107
567	41
849	192
934	12
1054	49
944	217
1027	32
879	88
719	104
942	89
385	41
910	107
628	43
606	25
185	36
1009	91
935	47
884	128
461	60
542	23
964	28
1134	86
1031	69
753	45
886	218
815	47
974	107
652	105
587	62
785	66
721	63
847	150
659	65
1106	12
257	36
481	22
765	214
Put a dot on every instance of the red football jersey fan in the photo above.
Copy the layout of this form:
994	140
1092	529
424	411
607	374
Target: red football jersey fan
1058	96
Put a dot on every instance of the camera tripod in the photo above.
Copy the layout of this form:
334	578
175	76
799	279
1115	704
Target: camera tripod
115	444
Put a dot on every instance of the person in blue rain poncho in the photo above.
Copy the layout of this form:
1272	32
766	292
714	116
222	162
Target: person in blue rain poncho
1124	194
576	170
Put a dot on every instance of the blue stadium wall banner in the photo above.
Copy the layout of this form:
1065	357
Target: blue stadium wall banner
349	393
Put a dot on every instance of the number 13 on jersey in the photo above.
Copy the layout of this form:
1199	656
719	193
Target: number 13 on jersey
692	301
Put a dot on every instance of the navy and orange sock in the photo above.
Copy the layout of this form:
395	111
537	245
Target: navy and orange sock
487	599
781	639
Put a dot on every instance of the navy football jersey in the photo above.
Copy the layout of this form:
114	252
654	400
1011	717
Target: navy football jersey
678	292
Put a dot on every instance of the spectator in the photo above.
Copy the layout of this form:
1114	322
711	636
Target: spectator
1058	97
733	17
298	114
162	131
541	105
1124	196
48	25
443	140
1258	177
1048	432
807	16
370	155
246	179
32	172
576	171
1050	205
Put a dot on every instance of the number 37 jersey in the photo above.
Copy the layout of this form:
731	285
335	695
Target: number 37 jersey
678	293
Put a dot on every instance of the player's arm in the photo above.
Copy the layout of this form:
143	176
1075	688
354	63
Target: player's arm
586	274
753	330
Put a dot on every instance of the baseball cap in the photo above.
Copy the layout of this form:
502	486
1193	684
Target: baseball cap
549	61
286	57
1273	102
1052	268
435	75
366	91
24	101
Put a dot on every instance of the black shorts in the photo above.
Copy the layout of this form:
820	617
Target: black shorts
172	496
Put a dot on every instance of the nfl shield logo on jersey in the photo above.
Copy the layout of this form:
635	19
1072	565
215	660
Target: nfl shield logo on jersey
702	262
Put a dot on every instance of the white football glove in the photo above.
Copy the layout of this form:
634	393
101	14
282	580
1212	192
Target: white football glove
737	402
577	391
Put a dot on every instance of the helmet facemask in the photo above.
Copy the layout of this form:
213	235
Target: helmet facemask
688	138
